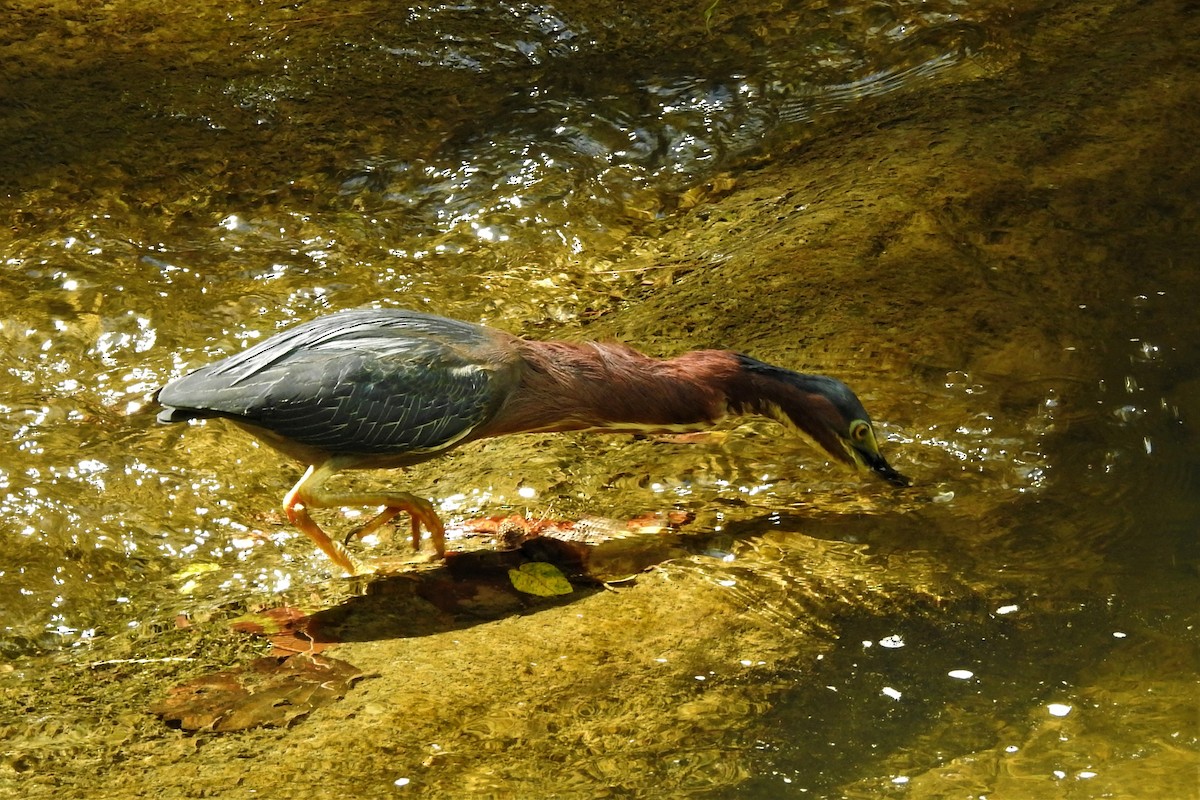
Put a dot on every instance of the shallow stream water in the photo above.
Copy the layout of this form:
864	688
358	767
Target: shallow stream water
982	216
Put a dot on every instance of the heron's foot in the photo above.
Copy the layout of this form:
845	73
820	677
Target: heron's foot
419	510
308	493
370	526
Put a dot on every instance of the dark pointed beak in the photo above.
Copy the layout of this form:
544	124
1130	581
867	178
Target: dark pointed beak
878	465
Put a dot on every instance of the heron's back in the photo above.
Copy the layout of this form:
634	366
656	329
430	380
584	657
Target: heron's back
369	382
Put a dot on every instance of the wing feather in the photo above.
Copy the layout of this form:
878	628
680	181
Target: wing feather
358	382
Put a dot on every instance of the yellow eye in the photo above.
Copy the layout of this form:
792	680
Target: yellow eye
860	431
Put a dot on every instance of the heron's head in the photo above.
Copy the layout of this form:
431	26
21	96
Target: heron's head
827	411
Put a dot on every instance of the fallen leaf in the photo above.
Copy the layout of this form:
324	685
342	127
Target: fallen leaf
267	622
658	522
187	577
289	630
513	530
539	578
267	692
194	569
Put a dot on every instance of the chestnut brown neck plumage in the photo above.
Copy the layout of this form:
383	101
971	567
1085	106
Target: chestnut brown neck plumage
566	386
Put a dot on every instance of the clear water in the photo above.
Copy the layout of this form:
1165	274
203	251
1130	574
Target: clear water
981	216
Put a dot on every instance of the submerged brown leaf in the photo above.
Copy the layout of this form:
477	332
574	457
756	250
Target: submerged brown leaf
267	692
289	630
514	530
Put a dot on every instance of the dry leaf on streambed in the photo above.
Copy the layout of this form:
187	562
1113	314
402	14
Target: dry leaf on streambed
267	692
514	530
288	629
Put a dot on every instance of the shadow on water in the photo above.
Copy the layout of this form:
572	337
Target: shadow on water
470	589
473	587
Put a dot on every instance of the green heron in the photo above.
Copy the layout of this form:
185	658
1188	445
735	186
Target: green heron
383	388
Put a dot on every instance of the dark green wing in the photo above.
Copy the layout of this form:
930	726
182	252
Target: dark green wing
355	382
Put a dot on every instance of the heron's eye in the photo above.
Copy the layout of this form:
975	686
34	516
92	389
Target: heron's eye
859	430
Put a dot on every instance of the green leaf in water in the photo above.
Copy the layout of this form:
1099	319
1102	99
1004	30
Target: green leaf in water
539	578
194	569
186	577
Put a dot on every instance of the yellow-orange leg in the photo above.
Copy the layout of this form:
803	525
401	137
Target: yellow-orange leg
295	505
307	493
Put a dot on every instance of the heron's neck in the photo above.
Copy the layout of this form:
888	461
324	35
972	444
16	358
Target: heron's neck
566	386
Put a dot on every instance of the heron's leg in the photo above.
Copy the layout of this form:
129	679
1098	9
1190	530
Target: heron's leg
308	493
295	505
